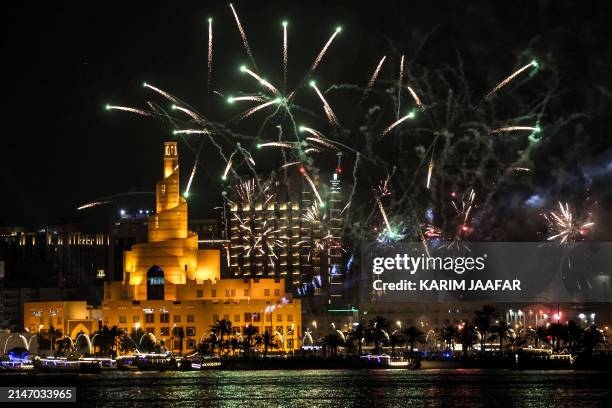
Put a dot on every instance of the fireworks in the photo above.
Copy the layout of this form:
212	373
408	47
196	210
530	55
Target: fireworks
565	226
255	98
374	77
210	53
510	78
410	115
312	185
258	108
193	171
319	57
429	172
262	81
128	109
513	128
243	36
94	204
416	98
191	132
229	165
285	54
331	117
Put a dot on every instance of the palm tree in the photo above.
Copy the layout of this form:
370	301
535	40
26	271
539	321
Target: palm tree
447	335
64	345
540	335
377	332
558	332
333	341
467	336
574	333
396	339
483	321
247	340
358	333
268	340
502	332
221	328
53	334
414	335
592	337
180	333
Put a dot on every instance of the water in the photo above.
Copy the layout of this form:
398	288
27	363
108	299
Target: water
334	388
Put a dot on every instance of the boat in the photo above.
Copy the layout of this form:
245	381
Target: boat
155	362
542	359
63	365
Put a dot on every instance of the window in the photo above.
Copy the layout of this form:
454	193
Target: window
190	344
149	318
237	318
164	318
190	318
59	321
200	293
279	329
290	330
213	293
136	319
226	317
266	292
150	330
227	293
256	318
279	317
289	343
268	318
164	331
289	317
276	292
246	292
190	331
177	318
247	318
233	292
215	318
122	319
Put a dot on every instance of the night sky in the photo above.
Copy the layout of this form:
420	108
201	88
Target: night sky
64	62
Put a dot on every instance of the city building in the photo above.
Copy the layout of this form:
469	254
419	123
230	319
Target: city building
298	237
168	282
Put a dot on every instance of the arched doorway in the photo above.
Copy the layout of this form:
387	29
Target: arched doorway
155	283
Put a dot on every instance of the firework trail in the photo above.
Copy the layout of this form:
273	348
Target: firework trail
257	108
416	98
276	144
510	78
411	115
229	165
564	227
128	109
191	132
384	215
193	171
313	132
429	172
516	168
512	128
295	163
319	57
210	53
254	98
331	116
108	199
163	93
262	81
399	86
374	77
285	55
312	185
322	142
244	38
196	118
94	204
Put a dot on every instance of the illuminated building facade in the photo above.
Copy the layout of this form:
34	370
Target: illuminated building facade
168	282
295	239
